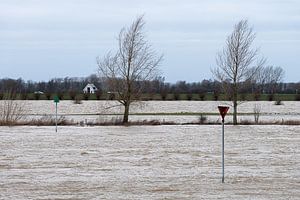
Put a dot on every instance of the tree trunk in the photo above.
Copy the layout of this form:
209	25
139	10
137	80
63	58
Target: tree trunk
234	108
235	113
126	113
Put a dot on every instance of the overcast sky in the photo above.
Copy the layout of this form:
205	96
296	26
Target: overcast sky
43	39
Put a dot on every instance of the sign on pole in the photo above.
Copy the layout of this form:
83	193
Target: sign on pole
223	111
56	100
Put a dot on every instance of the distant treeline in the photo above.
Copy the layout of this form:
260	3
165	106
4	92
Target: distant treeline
158	86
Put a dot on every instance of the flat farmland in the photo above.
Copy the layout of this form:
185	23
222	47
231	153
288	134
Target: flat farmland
149	162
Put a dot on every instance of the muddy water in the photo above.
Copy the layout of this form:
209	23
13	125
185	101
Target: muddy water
105	111
149	162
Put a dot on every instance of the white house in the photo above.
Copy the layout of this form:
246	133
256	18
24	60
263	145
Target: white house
90	88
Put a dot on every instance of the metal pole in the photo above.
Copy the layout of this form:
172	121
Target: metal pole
223	151
56	117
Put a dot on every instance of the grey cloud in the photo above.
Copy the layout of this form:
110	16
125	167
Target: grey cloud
89	27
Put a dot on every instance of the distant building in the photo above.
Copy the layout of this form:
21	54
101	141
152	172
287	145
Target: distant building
90	88
38	92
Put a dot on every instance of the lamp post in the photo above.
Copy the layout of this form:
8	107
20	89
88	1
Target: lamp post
223	111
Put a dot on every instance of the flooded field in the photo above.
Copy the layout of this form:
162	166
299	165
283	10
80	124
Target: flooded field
149	162
111	107
96	112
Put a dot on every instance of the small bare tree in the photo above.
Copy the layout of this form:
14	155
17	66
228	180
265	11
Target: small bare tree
11	111
235	60
134	63
256	112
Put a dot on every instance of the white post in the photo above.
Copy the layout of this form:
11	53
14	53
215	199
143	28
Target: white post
223	151
56	117
223	110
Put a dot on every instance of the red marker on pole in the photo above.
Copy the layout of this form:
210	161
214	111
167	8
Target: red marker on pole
223	111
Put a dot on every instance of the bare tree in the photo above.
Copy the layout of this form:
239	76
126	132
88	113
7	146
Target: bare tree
269	77
11	111
134	63
235	62
256	112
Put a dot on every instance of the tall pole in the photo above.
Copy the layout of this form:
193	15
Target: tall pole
56	117
222	150
223	111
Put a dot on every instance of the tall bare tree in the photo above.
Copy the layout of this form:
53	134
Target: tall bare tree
134	63
235	62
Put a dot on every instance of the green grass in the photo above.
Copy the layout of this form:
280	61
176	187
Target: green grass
169	97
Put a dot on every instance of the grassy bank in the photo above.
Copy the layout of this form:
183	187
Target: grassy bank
160	97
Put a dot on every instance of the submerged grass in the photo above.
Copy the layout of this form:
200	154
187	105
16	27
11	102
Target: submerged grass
50	121
164	114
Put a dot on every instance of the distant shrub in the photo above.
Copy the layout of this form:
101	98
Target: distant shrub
216	96
48	96
151	123
189	96
60	96
163	95
243	97
297	97
86	96
256	96
77	100
278	102
202	119
48	120
176	96
270	97
113	121
202	96
245	122
98	95
37	96
229	97
111	96
290	122
72	95
1	96
150	96
118	121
